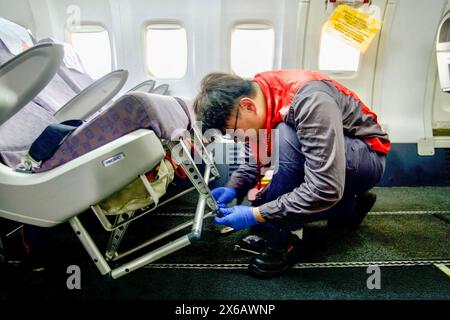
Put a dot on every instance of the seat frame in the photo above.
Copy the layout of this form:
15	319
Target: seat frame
181	154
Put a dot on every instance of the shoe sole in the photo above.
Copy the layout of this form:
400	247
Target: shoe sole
267	274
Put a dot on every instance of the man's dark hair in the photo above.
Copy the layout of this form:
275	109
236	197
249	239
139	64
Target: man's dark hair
217	98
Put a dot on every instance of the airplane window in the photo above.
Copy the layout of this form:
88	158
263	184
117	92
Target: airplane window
336	55
93	46
252	49
166	51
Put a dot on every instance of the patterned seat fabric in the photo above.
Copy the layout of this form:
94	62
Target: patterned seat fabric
162	114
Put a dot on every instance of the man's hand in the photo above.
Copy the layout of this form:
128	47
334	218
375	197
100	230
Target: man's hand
237	217
224	195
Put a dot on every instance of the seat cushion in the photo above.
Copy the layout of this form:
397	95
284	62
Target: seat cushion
137	110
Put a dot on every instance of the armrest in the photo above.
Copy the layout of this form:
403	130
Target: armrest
25	75
146	86
93	97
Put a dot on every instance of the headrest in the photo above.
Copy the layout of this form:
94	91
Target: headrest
71	58
16	38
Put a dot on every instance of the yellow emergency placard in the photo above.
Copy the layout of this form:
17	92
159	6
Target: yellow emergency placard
353	26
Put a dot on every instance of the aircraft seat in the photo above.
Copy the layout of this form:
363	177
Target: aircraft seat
114	146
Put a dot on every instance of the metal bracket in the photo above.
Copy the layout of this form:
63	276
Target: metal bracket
200	147
117	235
187	163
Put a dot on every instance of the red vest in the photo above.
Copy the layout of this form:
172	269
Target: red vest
280	86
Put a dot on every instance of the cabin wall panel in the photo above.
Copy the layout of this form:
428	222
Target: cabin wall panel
405	62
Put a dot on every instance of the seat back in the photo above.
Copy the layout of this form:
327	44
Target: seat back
19	131
55	95
22	120
72	70
23	76
14	39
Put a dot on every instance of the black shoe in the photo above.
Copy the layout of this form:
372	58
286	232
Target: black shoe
364	202
274	262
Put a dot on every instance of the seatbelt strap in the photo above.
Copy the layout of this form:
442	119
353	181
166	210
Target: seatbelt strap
49	141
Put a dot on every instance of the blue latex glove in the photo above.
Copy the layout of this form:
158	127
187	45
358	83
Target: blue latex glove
237	217
224	195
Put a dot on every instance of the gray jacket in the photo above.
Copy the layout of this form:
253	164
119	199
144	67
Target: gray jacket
321	115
